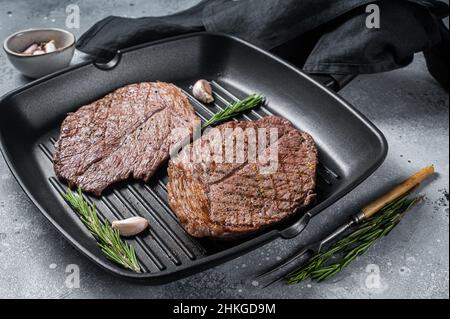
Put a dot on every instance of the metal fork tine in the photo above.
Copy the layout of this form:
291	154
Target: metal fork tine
285	273
280	278
276	280
283	264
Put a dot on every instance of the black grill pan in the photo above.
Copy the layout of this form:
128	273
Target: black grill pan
351	148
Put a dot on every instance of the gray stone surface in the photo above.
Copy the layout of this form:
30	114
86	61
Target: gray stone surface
407	105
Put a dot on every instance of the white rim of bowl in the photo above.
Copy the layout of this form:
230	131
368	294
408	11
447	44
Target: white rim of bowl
21	55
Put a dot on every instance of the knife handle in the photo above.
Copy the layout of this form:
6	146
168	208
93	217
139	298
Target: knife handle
397	192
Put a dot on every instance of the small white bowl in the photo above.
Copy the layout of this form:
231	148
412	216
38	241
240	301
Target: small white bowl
35	66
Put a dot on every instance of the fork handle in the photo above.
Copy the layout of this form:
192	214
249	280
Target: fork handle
397	192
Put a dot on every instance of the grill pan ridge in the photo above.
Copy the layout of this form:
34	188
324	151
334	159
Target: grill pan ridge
29	129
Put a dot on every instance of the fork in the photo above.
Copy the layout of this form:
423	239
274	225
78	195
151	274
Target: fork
282	270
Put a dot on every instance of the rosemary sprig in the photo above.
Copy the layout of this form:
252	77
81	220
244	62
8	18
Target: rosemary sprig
234	109
354	244
108	239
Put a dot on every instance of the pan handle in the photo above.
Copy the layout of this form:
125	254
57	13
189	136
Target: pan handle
335	82
110	64
297	228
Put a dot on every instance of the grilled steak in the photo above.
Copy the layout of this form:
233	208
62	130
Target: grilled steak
232	198
128	133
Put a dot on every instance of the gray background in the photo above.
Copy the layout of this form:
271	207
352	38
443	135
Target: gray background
407	105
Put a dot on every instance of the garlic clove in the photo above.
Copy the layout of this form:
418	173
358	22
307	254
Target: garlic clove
38	52
31	49
130	226
50	46
202	91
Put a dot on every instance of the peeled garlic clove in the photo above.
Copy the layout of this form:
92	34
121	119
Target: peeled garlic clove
202	91
130	226
38	52
31	49
50	46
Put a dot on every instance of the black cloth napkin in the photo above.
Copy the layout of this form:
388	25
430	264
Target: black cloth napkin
320	36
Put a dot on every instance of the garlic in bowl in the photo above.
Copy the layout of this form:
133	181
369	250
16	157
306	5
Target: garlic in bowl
38	52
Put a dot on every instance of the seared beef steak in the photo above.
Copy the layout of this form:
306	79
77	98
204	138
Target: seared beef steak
127	133
214	199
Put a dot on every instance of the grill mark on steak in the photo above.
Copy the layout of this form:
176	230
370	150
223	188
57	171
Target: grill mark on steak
243	200
94	119
127	133
123	141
